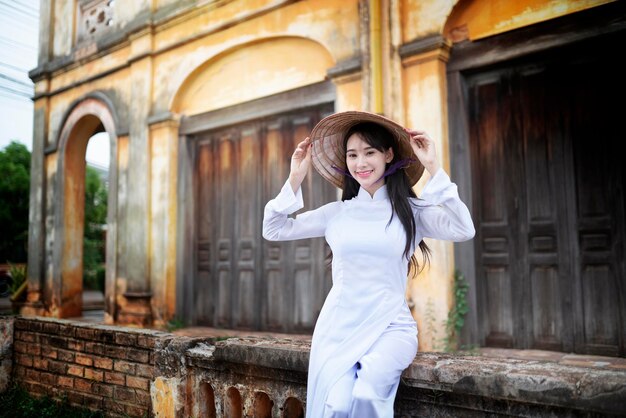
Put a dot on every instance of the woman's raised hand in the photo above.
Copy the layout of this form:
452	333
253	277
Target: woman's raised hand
300	162
424	149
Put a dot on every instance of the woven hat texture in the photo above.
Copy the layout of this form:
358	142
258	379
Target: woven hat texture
327	139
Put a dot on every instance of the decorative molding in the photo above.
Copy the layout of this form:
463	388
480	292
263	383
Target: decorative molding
299	98
422	45
348	66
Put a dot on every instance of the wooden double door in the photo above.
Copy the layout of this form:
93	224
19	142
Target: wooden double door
241	280
546	135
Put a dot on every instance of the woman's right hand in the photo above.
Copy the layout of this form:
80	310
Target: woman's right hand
300	162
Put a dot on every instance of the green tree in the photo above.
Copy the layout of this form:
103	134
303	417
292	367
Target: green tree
94	237
14	197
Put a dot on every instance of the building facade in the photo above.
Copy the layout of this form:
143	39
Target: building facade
204	100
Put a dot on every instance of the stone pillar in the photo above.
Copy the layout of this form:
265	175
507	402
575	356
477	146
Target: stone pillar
135	301
425	102
163	208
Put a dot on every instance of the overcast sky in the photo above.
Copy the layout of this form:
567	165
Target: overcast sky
19	36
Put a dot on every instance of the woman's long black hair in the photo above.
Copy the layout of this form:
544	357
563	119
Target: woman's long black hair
398	186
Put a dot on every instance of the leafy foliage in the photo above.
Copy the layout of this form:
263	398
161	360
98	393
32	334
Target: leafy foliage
94	236
16	402
14	195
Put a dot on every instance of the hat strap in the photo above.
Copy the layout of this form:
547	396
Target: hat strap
398	165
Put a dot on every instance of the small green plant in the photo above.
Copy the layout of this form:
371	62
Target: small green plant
174	324
454	323
456	315
18	276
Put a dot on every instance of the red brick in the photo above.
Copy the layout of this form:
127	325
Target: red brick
113	406
116	352
125	367
58	342
146	341
34	325
48	378
49	351
140	356
33	375
137	382
135	411
105	335
116	378
85	333
20	346
84	360
20	324
94	374
64	355
51	328
57	367
74	370
27	336
67	330
66	381
24	360
40	363
83	384
76	345
124	394
94	348
19	371
103	363
93	401
75	398
145	370
103	390
123	338
143	397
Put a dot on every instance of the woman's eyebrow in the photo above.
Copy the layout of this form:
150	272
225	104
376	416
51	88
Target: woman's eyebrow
353	150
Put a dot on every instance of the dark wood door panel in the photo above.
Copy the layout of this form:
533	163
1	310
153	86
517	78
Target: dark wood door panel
549	200
243	281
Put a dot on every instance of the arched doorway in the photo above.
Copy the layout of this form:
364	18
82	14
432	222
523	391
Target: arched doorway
88	117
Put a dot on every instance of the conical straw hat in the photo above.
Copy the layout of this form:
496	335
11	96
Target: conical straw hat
327	139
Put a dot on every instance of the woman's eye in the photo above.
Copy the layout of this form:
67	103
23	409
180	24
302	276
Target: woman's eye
370	152
351	155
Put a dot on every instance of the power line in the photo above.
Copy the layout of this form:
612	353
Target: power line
13	7
16	43
13	67
17	92
16	81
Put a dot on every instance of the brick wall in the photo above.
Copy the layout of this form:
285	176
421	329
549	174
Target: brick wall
95	366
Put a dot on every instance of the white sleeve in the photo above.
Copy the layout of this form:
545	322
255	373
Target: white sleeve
277	226
440	212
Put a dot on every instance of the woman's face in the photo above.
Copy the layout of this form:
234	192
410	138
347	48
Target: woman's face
366	164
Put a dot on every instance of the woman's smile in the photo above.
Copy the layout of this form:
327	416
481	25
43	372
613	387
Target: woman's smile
366	163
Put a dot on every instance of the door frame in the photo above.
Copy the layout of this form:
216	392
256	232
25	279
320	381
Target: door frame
310	96
597	24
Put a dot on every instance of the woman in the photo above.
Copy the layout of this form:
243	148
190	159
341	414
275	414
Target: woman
365	335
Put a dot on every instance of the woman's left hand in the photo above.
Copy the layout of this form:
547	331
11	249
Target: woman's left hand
424	149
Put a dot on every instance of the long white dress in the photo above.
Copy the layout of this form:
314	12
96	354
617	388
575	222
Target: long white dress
369	271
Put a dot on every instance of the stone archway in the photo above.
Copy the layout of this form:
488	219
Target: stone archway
87	117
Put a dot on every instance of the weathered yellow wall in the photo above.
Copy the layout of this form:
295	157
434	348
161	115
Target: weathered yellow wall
479	19
253	71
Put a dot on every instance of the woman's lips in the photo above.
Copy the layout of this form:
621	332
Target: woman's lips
364	174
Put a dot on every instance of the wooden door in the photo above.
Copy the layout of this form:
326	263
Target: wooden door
243	281
549	201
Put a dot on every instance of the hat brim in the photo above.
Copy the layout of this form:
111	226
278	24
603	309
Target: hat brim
327	139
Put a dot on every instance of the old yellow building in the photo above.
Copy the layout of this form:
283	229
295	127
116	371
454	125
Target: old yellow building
203	101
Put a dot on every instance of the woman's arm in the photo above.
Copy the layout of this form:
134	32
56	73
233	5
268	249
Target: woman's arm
440	212
277	226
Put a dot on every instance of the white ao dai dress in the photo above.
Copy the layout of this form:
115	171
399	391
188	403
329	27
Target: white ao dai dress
365	335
